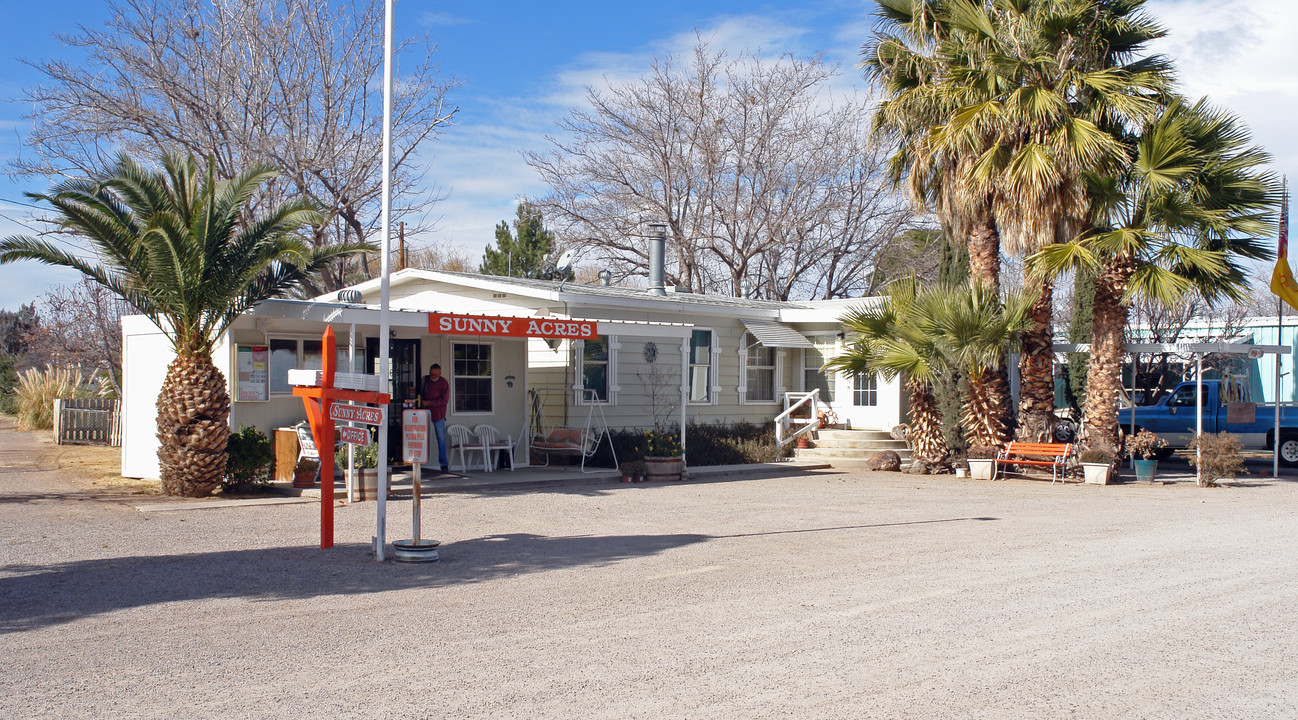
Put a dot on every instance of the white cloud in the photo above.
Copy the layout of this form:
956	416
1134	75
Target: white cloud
1242	55
482	164
441	19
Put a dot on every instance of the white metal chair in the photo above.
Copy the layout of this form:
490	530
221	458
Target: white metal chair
460	440
494	441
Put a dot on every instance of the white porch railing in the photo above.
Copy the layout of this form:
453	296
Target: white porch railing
785	422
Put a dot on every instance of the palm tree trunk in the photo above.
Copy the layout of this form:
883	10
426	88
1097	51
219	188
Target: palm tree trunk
985	269
926	441
1036	371
193	426
984	423
985	252
1104	371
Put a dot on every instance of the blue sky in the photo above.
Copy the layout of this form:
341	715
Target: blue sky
523	65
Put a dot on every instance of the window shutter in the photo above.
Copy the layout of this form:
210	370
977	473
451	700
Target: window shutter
714	357
743	373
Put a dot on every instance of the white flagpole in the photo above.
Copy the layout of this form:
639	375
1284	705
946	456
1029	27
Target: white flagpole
381	529
1283	237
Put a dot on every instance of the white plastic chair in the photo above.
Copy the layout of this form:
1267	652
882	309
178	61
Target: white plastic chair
494	440
459	439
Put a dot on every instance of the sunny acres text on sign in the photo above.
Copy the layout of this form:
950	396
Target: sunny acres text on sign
454	324
356	413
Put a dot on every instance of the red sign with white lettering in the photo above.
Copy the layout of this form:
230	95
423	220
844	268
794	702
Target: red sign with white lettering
354	435
448	324
356	413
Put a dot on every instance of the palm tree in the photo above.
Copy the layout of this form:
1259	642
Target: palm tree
1024	100
912	59
1066	80
974	329
1178	219
188	252
893	337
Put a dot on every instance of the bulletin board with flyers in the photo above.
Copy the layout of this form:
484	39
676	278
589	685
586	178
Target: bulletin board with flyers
252	370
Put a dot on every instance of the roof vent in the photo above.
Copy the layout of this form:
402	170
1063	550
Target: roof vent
606	277
350	296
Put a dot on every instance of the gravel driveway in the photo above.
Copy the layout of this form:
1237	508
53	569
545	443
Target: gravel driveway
819	596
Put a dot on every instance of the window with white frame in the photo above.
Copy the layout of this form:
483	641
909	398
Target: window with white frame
865	390
759	371
813	359
597	369
471	377
701	371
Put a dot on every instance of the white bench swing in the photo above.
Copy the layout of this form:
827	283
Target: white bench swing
583	441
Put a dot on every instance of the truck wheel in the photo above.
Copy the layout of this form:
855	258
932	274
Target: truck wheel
1289	450
1163	453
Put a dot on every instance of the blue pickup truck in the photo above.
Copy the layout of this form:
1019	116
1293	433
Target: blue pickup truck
1173	418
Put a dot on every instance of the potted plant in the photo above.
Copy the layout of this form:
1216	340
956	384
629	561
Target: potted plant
1097	465
367	472
960	464
1218	457
665	458
632	471
982	462
803	442
1144	447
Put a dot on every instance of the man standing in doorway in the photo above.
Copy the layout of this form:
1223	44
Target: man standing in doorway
435	396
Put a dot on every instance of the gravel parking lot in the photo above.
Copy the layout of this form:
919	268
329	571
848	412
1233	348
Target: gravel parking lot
818	596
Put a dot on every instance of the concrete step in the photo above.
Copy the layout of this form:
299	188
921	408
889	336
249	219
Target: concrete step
830	455
853	435
875	445
843	463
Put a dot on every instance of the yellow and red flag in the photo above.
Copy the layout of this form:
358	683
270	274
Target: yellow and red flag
1282	280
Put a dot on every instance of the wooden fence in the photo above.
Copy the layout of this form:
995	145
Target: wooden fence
95	422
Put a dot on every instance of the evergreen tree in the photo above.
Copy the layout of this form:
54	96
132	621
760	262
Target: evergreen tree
16	327
950	386
1079	332
521	253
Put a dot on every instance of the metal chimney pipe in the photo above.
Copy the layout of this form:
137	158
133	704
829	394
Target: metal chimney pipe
657	248
606	277
745	288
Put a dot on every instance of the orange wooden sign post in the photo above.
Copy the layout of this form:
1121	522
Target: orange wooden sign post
318	401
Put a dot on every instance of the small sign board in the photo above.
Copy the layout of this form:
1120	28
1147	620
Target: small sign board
1241	412
354	435
414	436
357	413
306	443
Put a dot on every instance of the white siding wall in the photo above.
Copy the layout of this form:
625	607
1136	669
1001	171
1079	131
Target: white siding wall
146	352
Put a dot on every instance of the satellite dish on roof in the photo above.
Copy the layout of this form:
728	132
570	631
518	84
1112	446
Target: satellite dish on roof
565	261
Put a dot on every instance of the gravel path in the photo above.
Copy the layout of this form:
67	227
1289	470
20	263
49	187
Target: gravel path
820	596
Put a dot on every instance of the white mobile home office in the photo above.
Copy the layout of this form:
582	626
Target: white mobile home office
740	357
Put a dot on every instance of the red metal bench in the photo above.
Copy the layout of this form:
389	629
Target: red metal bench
1042	454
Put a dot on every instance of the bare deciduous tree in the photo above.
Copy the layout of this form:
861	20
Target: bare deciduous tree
81	325
758	174
291	82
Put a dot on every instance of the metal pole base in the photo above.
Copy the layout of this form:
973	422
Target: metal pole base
415	551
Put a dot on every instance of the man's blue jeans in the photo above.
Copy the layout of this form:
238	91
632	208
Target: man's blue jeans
439	430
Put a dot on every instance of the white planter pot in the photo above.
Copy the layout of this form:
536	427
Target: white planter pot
1097	473
982	469
962	472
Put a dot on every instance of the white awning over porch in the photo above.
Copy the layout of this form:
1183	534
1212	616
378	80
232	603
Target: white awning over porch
776	335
